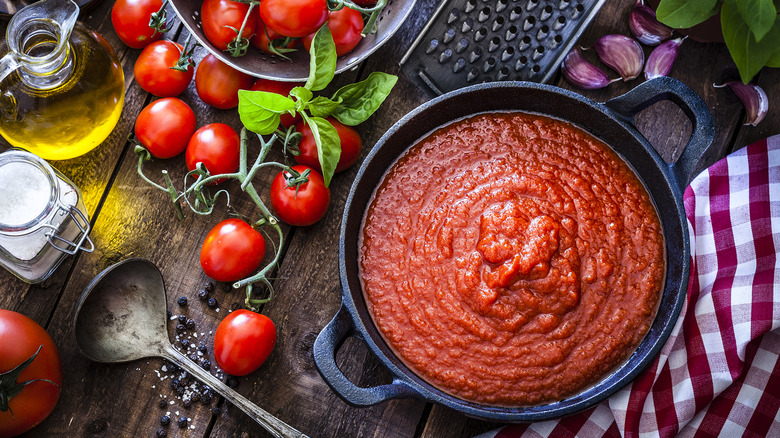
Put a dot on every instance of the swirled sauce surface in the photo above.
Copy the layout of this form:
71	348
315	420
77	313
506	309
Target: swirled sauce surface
511	259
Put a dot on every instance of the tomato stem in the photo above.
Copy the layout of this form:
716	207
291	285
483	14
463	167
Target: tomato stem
239	45
8	386
158	20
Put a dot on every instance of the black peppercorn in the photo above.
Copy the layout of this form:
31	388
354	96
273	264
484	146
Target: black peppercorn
212	302
182	422
205	364
168	312
185	343
182	318
203	349
193	357
209	287
180	390
182	301
186	402
165	420
161	432
203	294
195	397
180	327
162	403
175	383
190	324
206	397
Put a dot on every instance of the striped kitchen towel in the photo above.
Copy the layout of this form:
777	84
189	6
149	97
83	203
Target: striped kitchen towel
719	372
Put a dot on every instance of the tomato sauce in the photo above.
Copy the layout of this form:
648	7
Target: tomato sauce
511	259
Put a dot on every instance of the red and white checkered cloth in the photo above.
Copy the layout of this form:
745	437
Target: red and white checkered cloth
719	372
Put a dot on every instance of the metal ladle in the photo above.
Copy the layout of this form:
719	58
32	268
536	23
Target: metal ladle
121	316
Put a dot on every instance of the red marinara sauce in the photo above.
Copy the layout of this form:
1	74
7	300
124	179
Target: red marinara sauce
512	259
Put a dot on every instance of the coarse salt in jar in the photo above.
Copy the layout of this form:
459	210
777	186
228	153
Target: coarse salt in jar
42	217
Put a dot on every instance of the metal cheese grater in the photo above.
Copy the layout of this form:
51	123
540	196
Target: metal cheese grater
467	42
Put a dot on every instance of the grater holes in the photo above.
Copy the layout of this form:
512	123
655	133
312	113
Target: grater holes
536	69
508	53
559	22
460	64
445	56
484	14
531	5
480	35
525	42
501	5
449	35
557	39
470	5
462	45
498	24
511	33
542	33
516	13
453	16
432	46
472	75
489	65
475	55
467	25
577	10
494	44
546	13
563	4
521	62
538	53
503	73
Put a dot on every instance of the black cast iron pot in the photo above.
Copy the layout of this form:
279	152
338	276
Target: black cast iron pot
611	122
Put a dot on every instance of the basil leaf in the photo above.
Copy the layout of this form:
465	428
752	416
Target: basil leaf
259	110
760	15
322	62
328	145
682	14
321	106
302	94
774	60
358	101
748	54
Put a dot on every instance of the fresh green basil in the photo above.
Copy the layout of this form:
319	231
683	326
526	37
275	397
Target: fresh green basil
748	54
358	101
682	14
322	106
760	15
328	145
259	110
322	60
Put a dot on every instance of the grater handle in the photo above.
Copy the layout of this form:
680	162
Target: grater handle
325	347
665	88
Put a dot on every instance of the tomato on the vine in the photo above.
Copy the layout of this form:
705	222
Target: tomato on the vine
217	83
165	126
302	205
232	250
217	146
20	338
243	341
351	145
282	88
264	36
294	18
131	21
154	70
222	19
346	26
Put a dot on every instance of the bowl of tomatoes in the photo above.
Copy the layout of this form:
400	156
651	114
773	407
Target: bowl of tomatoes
276	33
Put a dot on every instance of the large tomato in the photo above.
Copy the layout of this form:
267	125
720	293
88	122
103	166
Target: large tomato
131	21
294	18
282	88
217	83
351	145
20	338
165	126
217	146
302	205
154	70
243	341
221	20
346	26
232	250
263	38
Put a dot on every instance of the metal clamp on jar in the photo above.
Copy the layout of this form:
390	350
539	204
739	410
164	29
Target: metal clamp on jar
42	217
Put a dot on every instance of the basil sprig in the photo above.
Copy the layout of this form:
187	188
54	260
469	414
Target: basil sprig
351	105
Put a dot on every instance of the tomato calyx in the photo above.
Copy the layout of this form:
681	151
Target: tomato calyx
8	386
159	20
296	179
238	47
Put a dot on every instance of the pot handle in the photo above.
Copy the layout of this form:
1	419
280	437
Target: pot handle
665	88
325	347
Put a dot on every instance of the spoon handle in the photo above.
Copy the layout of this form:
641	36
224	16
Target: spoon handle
272	424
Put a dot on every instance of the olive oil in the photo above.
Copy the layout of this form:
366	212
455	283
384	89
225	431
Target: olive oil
66	112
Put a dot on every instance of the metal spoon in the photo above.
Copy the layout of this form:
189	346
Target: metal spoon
121	316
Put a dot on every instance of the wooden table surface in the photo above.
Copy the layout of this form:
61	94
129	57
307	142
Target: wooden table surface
131	219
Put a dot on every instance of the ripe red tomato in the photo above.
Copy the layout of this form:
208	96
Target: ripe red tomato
282	88
303	205
219	18
346	25
153	70
165	126
232	250
20	338
217	146
217	83
351	145
263	37
131	21
294	18
243	341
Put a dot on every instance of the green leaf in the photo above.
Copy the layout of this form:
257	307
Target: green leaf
774	60
260	110
682	14
760	15
328	145
322	63
322	106
358	101
748	54
302	94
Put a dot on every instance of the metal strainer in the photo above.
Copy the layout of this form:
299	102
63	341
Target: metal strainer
467	42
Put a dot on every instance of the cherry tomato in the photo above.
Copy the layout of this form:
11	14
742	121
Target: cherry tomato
294	18
282	88
232	250
131	21
217	83
217	146
346	25
20	338
351	145
219	18
303	205
165	126
263	37
153	70
243	341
